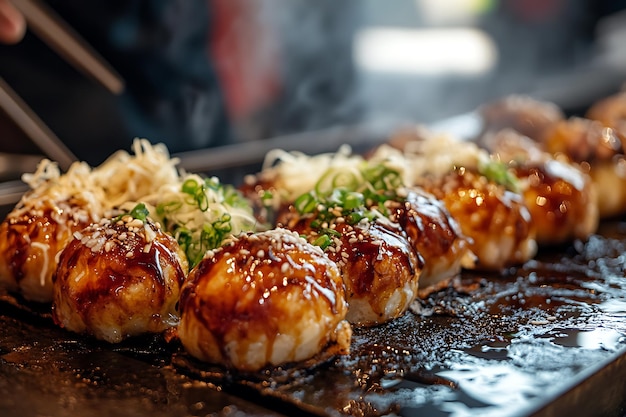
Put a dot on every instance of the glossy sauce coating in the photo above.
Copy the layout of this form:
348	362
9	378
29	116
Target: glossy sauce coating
582	140
561	200
380	269
263	299
30	239
611	112
497	220
435	235
119	279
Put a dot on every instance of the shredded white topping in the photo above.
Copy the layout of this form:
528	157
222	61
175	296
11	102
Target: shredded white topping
123	180
295	173
435	155
124	177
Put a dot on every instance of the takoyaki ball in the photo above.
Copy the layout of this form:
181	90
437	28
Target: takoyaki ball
527	115
380	269
581	140
117	279
495	219
561	198
611	112
599	152
510	146
262	300
31	237
435	235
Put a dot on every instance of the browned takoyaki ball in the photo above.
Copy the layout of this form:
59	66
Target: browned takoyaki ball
263	300
494	218
561	200
611	112
599	152
380	269
119	278
32	236
524	114
560	196
434	234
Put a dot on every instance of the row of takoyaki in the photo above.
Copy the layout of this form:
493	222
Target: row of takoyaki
278	271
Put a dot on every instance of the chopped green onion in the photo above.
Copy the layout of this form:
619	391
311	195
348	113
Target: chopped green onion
190	186
140	212
323	241
306	203
500	173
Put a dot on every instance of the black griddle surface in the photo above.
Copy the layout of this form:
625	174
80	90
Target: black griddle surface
547	338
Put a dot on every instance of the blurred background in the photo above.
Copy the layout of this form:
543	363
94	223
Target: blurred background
281	68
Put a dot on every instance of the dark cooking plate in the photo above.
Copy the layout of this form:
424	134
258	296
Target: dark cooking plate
547	338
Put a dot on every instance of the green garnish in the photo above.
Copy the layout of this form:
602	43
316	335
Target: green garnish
139	212
323	241
211	236
202	214
354	196
500	173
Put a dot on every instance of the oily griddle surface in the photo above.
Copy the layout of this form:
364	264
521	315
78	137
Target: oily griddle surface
547	338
